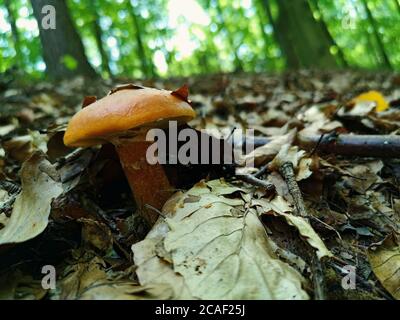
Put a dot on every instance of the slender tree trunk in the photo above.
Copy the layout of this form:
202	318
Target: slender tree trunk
381	47
325	29
146	65
14	31
369	43
297	26
263	33
265	37
234	49
286	46
98	34
61	42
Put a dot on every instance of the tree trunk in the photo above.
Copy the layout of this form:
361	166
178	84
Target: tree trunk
384	56
98	34
287	49
298	28
262	24
61	43
371	48
14	31
324	27
234	49
146	65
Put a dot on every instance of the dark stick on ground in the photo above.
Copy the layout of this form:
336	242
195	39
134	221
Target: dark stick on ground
255	181
380	146
287	172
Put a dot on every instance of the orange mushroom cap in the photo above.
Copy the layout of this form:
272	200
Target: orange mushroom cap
123	110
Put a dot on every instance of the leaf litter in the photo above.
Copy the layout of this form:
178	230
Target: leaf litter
218	238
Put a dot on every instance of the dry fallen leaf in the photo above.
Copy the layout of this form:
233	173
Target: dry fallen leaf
87	278
363	176
219	249
270	150
279	207
15	285
301	164
372	96
32	206
385	263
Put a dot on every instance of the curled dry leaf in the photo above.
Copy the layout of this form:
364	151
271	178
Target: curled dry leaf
89	279
270	150
279	207
32	206
217	249
96	235
363	176
125	290
385	263
301	164
22	147
16	285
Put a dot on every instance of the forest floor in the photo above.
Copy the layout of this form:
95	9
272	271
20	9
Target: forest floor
73	209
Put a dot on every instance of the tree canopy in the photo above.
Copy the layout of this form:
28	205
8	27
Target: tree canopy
171	37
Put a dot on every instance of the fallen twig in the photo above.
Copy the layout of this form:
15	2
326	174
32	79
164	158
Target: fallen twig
287	171
380	146
255	181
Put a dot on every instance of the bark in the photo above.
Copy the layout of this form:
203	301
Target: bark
233	47
262	24
299	29
98	34
324	27
14	31
381	47
286	47
61	42
146	65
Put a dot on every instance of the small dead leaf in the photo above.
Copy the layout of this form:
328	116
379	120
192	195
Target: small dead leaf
385	263
279	207
270	150
32	206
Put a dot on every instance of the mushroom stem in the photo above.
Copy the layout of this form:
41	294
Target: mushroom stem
149	183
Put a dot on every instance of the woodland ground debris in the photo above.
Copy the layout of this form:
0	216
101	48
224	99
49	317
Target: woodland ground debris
348	215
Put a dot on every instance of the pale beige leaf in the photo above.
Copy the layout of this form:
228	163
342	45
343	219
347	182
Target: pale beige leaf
153	265
385	263
269	150
219	249
32	206
278	206
125	290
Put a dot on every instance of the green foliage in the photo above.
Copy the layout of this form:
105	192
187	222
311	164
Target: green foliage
204	36
29	42
69	62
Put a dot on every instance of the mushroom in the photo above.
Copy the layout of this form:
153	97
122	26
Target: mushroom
124	118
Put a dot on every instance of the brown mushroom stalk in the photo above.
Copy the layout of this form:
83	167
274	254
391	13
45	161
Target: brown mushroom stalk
123	118
149	184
